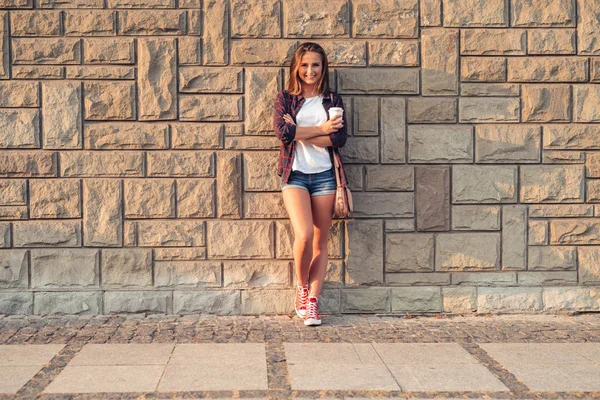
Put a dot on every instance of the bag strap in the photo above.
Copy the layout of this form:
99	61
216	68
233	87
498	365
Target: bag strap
336	168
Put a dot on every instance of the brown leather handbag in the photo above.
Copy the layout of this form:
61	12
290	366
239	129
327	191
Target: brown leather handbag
343	205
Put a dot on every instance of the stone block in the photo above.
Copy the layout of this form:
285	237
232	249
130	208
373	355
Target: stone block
248	274
547	69
440	144
4	39
180	254
487	279
130	136
240	239
371	300
475	218
514	237
570	299
260	86
552	183
13	212
109	100
364	150
552	258
5	235
385	18
258	171
509	300
484	184
538	232
475	13
196	136
264	205
229	189
483	69
46	51
489	109
137	302
157	79
560	210
409	252
181	164
571	136
439	61
433	198
393	127
28	164
417	279
585	101
490	89
55	198
378	81
68	303
187	274
417	300
152	22
543	13
14	269
267	301
575	231
145	4
364	252
19	128
389	178
210	108
195	198
589	265
592	165
149	198
252	143
189	50
222	302
100	72
262	52
431	12
308	19
16	303
587	27
171	233
467	251
35	23
383	204
563	157
62	115
47	233
354	174
102	216
123	268
431	110
211	80
401	53
488	42
19	94
101	164
551	41
459	300
366	121
109	50
546	103
89	22
255	19
507	143
61	268
216	32
547	278
592	192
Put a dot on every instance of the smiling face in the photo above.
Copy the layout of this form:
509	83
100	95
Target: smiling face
310	68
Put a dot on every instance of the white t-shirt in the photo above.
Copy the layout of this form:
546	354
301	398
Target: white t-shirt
310	158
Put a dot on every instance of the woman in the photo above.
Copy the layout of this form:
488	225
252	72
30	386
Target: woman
308	139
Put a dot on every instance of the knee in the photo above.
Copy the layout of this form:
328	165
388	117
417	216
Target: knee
305	237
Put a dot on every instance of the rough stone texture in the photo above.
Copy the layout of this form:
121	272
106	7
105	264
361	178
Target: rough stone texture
439	61
145	127
157	79
432	194
552	183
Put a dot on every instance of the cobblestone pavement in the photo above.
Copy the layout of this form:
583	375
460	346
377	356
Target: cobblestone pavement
274	331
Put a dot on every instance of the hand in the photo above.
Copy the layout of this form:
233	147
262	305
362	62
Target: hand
332	125
288	118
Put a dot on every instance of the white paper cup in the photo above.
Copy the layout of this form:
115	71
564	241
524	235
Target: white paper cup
333	111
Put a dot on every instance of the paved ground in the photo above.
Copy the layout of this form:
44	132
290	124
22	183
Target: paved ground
159	356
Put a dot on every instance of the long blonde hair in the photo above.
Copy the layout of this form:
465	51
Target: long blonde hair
295	84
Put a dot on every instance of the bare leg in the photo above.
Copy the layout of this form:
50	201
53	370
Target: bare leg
322	209
298	206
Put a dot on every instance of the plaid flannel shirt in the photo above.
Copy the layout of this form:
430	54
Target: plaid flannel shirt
286	103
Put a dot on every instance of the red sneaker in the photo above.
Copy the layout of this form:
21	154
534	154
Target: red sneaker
312	312
301	300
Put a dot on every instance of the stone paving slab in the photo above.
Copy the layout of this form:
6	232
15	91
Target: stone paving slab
467	335
20	363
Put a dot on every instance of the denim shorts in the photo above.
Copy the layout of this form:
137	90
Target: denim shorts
319	184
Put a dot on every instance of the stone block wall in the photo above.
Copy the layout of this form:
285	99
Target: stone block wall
138	159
